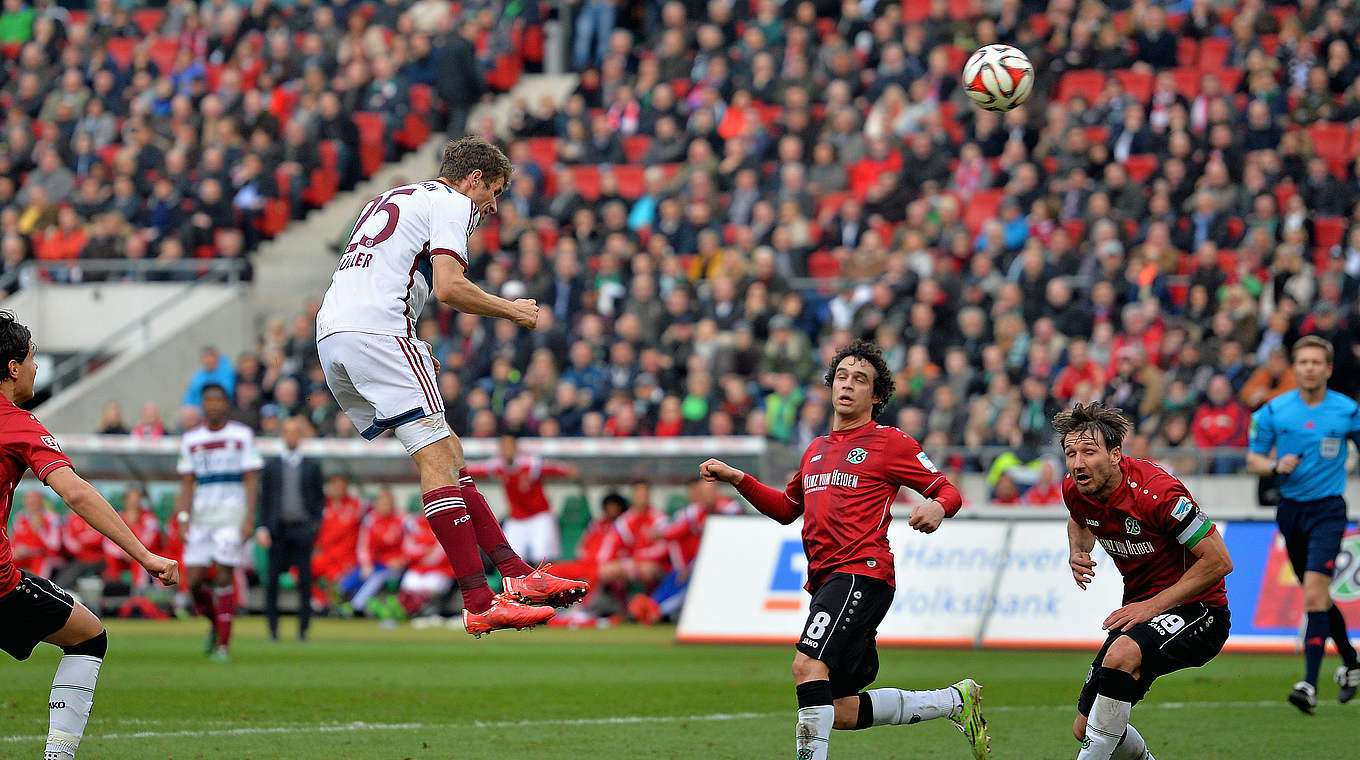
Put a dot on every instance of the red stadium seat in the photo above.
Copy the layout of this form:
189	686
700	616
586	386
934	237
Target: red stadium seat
543	151
1213	53
275	218
330	154
1076	230
1138	84
1331	140
213	73
120	49
1141	166
283	103
422	99
1228	78
587	181
1328	231
631	184
915	11
148	19
413	132
163	51
372	141
1187	81
1084	82
956	56
961	10
1269	43
982	206
533	44
322	188
1283	192
1040	25
1187	51
822	265
1097	134
635	146
829	204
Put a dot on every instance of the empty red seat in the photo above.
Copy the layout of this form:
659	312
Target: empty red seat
1331	140
120	50
1328	231
1187	51
1137	84
422	98
1084	82
1141	166
822	265
981	207
635	146
587	181
163	51
1213	53
631	184
1187	81
148	19
543	151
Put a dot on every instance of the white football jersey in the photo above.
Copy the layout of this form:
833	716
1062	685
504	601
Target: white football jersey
218	460
384	277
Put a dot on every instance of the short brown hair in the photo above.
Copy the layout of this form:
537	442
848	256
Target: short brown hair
1088	418
1313	341
468	154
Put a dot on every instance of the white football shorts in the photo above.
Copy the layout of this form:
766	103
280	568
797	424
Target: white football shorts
205	545
385	382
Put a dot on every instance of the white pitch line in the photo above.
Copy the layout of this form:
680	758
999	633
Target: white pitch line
360	726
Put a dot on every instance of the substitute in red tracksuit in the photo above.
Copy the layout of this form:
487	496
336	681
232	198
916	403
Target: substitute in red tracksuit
685	529
1222	422
381	535
428	574
146	526
590	547
337	541
36	537
84	549
531	527
635	551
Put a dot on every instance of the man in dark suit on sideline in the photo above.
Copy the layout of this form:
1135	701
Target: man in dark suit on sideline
292	497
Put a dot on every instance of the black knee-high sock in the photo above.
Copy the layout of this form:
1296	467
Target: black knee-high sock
1314	644
1339	635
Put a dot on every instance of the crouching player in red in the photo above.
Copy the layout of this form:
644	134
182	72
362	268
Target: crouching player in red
844	486
1173	560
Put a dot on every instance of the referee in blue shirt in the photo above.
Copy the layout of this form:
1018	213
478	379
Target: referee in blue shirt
1301	437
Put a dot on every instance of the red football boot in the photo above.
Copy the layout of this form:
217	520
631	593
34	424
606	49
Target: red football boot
505	612
540	587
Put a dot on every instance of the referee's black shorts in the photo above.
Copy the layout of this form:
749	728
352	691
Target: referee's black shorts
1312	533
841	628
34	610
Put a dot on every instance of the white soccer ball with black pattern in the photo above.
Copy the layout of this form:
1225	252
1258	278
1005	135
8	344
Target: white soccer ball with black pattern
998	77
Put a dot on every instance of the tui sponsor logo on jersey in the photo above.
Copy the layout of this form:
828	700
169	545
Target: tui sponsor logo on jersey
1124	548
818	481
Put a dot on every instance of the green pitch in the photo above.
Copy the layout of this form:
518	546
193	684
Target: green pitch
355	692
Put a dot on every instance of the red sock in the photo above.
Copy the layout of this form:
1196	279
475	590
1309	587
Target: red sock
203	600
452	525
226	610
489	534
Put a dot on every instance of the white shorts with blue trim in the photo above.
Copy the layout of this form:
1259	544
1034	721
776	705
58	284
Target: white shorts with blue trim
385	382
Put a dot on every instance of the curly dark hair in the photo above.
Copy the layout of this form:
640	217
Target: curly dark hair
884	385
15	340
1088	418
468	154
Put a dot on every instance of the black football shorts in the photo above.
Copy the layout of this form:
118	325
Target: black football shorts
34	610
841	626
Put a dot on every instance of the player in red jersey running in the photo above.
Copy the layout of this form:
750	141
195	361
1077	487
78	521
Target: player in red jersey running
843	489
1173	560
33	609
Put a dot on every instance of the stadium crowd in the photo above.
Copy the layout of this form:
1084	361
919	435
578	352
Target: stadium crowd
733	191
195	130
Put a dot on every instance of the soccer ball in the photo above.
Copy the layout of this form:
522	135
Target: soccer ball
998	77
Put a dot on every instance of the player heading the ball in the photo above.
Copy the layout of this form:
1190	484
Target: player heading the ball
408	243
1173	561
843	489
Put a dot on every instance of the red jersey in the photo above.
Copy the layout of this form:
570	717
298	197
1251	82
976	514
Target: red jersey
523	481
1225	425
686	528
1148	526
36	541
146	527
844	488
636	536
24	445
422	549
80	540
380	539
338	537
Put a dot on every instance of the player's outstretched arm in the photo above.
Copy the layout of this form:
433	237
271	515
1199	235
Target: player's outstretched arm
785	507
456	291
87	502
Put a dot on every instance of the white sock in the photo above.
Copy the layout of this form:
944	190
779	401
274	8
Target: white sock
814	731
894	707
1108	721
70	703
1133	747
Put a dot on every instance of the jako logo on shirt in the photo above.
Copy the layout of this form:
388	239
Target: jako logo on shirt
1132	527
856	456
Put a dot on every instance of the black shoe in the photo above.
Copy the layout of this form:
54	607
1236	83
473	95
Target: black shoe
1304	697
1348	678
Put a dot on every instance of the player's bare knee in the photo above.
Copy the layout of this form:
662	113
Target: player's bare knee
1124	655
1079	727
807	669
